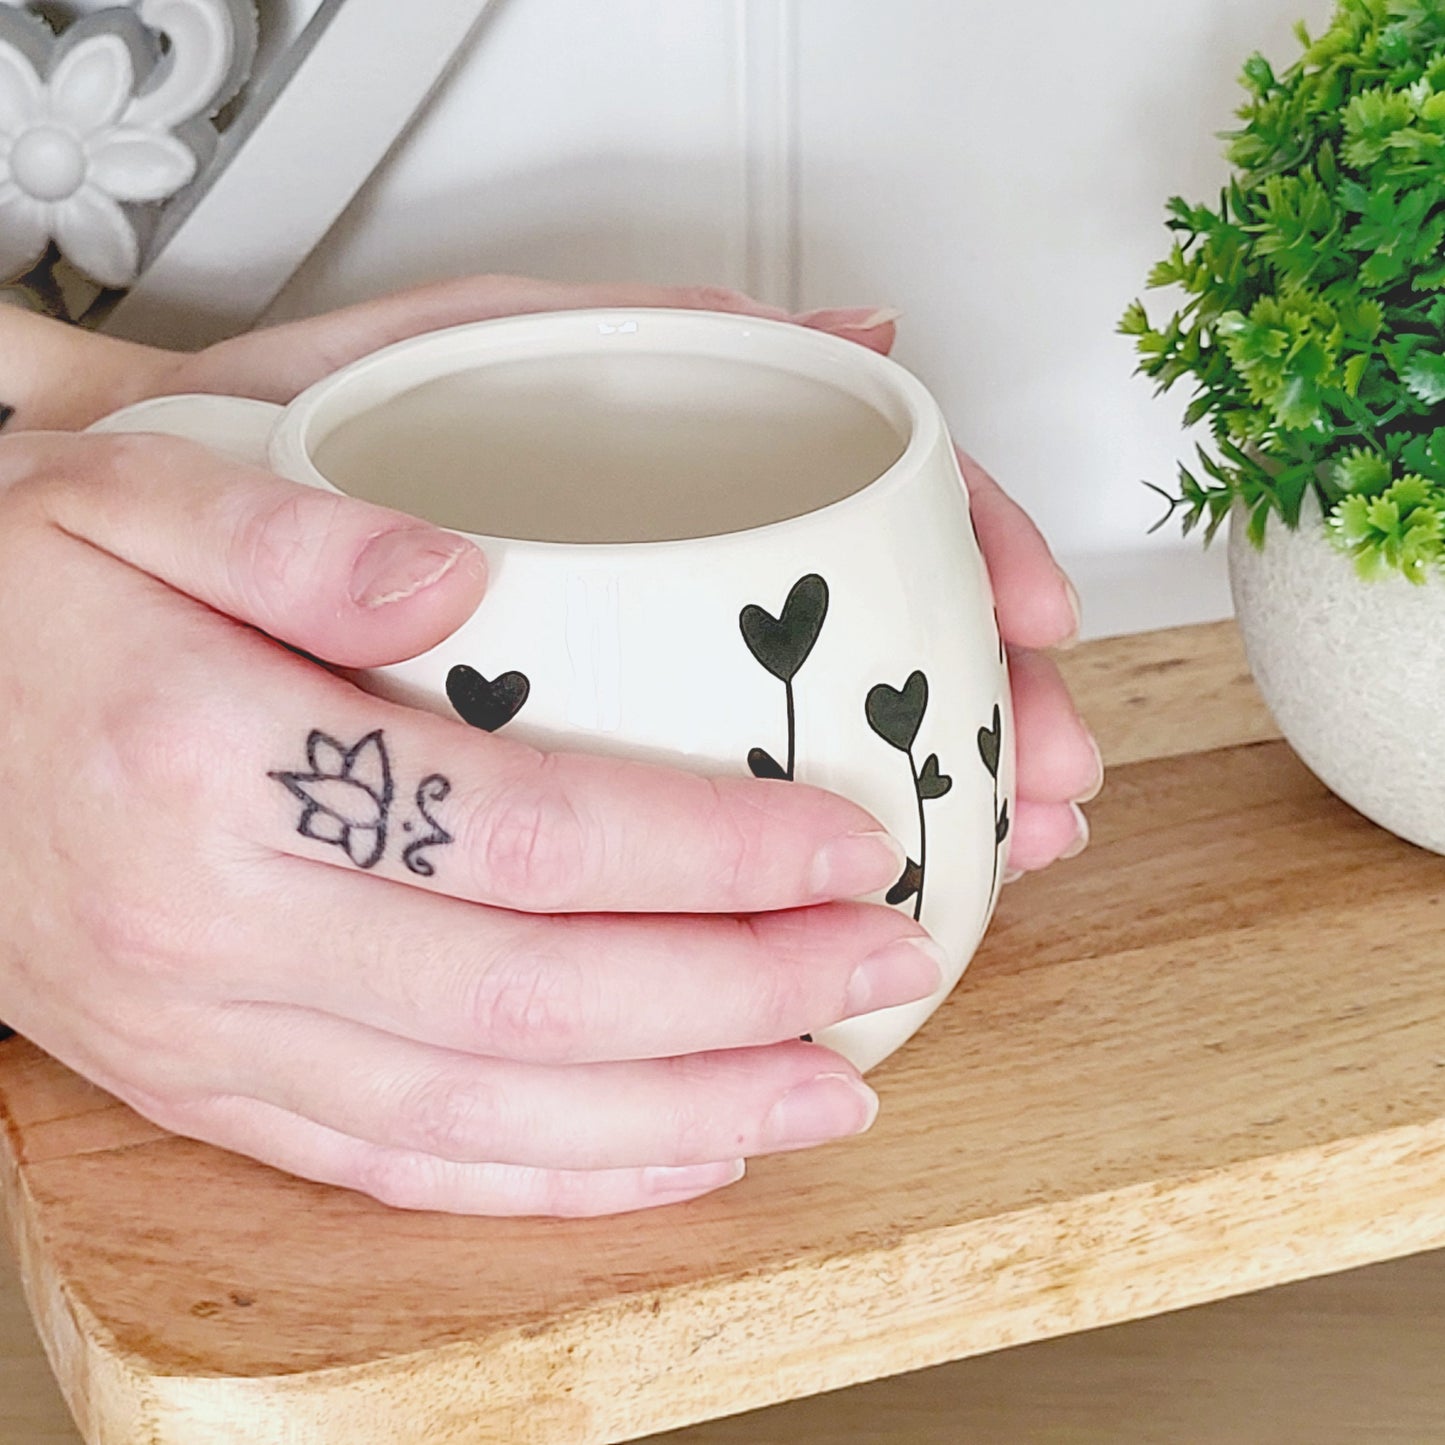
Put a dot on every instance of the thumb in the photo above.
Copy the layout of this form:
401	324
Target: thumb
349	582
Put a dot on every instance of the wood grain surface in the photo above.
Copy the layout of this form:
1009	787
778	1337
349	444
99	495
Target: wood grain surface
1205	1058
1333	1361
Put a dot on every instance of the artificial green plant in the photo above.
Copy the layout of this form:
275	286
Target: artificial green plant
1314	326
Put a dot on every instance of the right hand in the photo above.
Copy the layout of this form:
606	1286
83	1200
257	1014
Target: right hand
591	1005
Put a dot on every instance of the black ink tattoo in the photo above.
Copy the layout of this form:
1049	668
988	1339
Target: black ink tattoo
346	795
6	412
346	798
430	790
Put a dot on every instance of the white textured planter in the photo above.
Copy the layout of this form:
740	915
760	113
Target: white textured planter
1353	671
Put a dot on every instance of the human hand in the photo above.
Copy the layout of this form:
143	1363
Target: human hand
1059	764
574	988
1058	761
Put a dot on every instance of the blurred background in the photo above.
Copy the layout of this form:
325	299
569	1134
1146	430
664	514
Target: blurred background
996	171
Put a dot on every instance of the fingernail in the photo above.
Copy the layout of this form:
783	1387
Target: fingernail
692	1178
859	863
1082	842
1012	875
400	563
849	318
832	1106
1097	786
1076	607
903	972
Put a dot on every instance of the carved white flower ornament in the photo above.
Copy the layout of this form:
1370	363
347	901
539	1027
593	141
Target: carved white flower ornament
98	121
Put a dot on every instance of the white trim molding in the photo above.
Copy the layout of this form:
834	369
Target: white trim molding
767	99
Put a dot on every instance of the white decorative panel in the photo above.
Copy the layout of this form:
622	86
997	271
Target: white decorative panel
999	172
577	141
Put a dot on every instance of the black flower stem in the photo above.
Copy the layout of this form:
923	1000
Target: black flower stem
792	731
922	838
997	846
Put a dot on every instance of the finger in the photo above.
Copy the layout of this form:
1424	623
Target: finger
347	581
870	326
277	363
1044	833
409	1180
361	783
1058	759
575	988
697	1109
1037	604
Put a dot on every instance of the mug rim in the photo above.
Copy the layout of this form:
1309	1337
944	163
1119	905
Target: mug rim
290	445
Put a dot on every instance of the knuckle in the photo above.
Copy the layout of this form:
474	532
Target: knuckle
447	1116
699	1133
162	743
529	846
531	1007
49	471
192	1115
564	1193
736	846
38	471
392	1177
705	1109
783	988
121	454
127	930
280	548
146	937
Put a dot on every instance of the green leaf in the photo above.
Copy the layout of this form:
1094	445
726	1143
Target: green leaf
1425	376
1363	471
1312	336
1258	75
1135	321
1430	279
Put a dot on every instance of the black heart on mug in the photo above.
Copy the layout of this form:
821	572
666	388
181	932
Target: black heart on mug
483	704
896	715
782	644
990	743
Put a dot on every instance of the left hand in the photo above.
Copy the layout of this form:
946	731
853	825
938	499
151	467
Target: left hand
1059	765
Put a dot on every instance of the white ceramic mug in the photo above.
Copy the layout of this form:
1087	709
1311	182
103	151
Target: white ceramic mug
832	622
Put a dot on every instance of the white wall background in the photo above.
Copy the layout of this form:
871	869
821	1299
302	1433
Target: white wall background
998	171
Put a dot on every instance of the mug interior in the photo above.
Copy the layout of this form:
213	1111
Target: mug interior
592	427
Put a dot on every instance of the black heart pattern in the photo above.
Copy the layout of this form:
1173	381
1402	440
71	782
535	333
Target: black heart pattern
484	704
782	644
990	743
932	783
897	715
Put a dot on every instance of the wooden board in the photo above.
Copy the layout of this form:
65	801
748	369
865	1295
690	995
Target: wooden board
1335	1361
1205	1058
1341	1360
